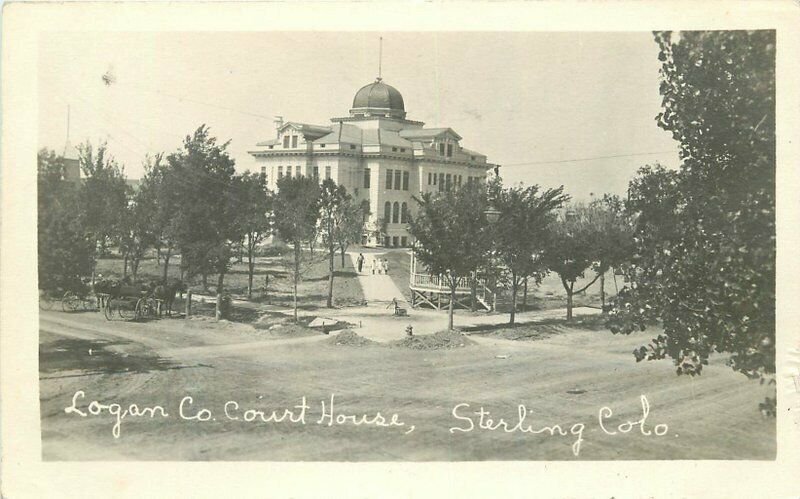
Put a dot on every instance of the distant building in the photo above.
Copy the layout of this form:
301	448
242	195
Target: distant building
72	165
382	159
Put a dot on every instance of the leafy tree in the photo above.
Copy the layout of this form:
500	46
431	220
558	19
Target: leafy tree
704	263
521	231
332	203
450	229
66	250
570	249
253	217
350	224
614	239
104	195
204	222
296	211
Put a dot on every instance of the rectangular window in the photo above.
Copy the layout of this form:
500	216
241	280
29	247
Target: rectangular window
395	241
397	176
388	179
386	241
405	180
402	149
286	142
449	150
366	178
434	179
280	172
394	149
322	146
352	146
441	182
327	172
299	171
316	172
429	178
447	182
404	241
459	180
441	149
263	172
288	171
294	141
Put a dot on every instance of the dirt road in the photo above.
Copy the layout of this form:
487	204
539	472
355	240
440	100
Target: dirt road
228	370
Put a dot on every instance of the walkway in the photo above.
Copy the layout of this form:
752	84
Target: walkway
376	287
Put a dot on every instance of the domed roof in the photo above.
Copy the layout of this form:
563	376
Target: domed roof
378	95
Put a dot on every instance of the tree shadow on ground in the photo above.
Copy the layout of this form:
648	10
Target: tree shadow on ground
591	323
93	357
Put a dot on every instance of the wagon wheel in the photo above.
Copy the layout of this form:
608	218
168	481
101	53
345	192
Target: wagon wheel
125	310
144	308
70	302
107	310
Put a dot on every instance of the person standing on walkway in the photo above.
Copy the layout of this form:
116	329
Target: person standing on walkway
372	264
386	266
360	262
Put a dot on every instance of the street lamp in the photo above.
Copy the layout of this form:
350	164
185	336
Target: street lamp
492	214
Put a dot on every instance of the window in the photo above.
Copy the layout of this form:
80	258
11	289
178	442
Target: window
352	146
447	182
396	213
263	173
280	172
459	181
441	148
271	147
289	171
328	171
434	179
366	178
449	150
404	214
316	172
441	182
387	241
388	179
387	212
402	149
472	158
429	178
403	241
397	176
322	146
286	142
298	174
405	180
394	241
394	149
294	141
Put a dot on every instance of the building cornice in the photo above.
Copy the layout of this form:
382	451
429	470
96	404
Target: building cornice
409	159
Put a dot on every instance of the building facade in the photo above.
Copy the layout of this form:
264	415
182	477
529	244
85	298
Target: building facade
382	158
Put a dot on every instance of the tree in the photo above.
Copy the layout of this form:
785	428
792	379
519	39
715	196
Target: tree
204	222
704	262
104	193
614	239
451	235
332	203
139	232
350	224
520	232
66	249
296	211
570	249
253	217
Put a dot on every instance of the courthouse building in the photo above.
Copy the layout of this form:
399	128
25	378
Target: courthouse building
382	158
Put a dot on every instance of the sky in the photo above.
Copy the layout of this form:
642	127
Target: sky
550	108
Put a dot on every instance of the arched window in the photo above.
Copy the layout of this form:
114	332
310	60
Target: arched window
404	214
387	212
396	213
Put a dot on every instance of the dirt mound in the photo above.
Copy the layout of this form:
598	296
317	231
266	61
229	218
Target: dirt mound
436	341
349	338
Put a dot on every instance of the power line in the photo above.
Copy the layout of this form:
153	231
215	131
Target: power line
587	159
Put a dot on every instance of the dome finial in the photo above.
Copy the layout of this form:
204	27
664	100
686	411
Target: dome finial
380	58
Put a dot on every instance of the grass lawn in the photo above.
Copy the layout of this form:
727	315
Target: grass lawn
312	290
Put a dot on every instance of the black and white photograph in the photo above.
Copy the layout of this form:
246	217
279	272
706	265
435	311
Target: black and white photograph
406	246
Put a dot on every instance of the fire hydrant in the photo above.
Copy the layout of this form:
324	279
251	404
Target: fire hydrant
409	330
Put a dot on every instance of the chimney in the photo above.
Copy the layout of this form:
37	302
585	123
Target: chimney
278	121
